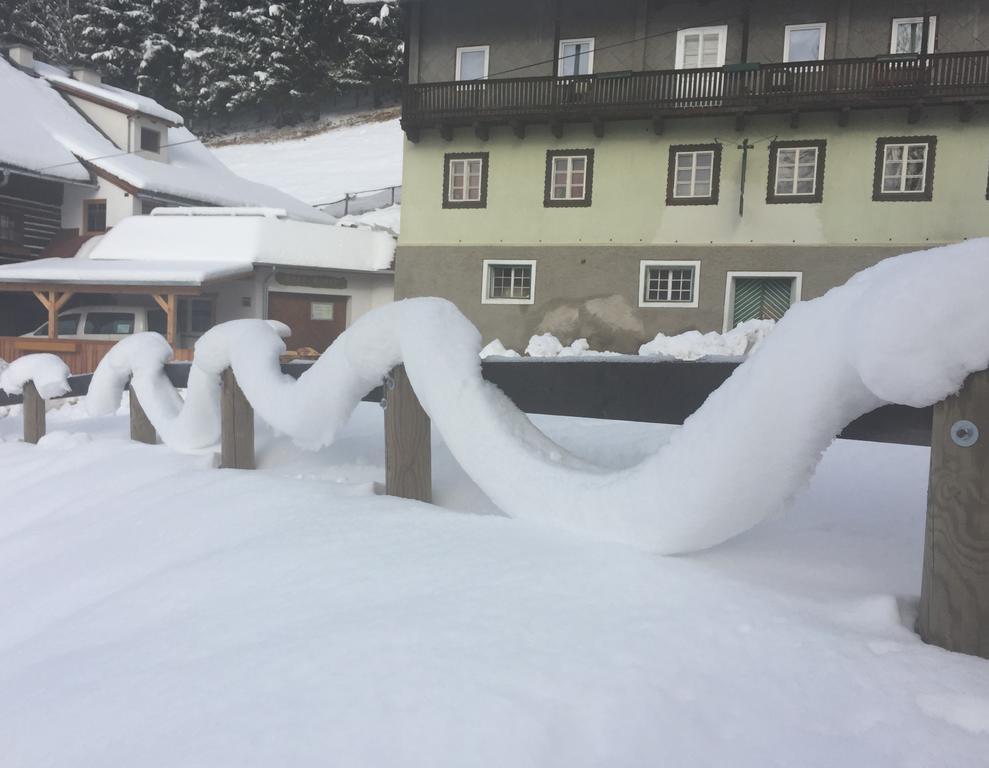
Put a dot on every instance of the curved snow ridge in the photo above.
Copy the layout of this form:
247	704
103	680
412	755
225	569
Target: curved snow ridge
739	458
49	373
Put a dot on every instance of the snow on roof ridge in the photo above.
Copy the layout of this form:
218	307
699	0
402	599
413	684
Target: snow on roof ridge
125	99
239	211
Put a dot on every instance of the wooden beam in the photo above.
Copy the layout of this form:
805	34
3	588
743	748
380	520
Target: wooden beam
408	459
556	127
161	301
141	428
844	116
42	298
180	290
795	118
482	131
172	318
413	135
658	125
915	113
518	128
966	111
598	125
34	414
52	315
740	120
954	595
63	300
446	131
236	426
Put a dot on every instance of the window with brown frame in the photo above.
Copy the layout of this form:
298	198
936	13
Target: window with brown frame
465	180
796	171
569	178
93	216
904	168
11	227
693	174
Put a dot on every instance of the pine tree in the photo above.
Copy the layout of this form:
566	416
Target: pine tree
46	25
375	48
111	35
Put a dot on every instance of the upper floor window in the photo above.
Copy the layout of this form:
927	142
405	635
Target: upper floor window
904	168
908	34
576	57
150	140
465	182
94	215
804	42
693	174
568	178
472	62
796	172
10	227
701	47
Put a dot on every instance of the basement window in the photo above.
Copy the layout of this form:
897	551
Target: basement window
668	284
508	282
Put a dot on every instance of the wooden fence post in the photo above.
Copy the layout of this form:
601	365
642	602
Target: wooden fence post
408	458
141	428
236	426
954	597
34	413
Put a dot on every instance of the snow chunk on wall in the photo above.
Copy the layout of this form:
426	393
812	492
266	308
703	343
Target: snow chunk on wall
49	373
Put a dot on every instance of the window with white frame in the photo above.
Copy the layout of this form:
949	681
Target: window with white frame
669	284
569	176
507	282
693	174
472	62
804	42
576	57
908	34
466	180
904	168
796	171
701	47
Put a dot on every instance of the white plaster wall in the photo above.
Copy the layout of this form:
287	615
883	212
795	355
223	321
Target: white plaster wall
119	204
116	125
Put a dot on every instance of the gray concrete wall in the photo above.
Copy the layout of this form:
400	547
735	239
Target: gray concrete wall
523	33
592	292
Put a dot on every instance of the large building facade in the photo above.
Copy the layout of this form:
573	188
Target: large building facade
612	170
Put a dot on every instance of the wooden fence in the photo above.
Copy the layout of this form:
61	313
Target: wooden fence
81	355
954	605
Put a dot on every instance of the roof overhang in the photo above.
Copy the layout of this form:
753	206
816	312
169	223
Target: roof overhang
85	95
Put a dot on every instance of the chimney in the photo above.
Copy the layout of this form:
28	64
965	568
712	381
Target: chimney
22	55
86	74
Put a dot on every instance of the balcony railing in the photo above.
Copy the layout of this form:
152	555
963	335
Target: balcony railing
839	83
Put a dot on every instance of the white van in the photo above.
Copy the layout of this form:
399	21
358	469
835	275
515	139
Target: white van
105	323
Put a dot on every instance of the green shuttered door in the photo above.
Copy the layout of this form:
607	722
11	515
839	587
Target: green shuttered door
766	298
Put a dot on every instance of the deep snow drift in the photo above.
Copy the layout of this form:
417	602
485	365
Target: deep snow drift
828	361
160	613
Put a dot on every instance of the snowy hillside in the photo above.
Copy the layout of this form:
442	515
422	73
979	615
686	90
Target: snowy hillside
158	612
324	167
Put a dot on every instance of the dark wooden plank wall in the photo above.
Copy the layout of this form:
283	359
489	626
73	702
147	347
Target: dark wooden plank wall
38	203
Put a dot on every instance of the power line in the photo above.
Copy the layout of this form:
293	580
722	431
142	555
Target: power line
115	154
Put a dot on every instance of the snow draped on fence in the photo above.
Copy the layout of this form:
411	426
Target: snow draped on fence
906	331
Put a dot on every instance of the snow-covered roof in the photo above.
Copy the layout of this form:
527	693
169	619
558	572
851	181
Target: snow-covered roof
26	137
47	135
191	246
125	100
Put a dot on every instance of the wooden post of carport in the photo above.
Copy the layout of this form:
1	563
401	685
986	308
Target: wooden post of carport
53	301
169	303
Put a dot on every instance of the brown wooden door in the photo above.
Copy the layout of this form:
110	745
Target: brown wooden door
316	320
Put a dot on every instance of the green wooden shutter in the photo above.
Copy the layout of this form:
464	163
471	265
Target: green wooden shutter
766	298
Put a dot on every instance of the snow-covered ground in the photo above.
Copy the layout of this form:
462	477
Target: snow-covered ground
158	612
322	168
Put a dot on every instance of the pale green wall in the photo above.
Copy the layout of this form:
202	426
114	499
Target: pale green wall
630	174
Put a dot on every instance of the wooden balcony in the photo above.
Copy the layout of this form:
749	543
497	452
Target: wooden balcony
839	84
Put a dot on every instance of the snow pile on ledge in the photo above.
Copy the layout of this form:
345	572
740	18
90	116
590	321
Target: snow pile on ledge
743	339
48	372
829	361
497	349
